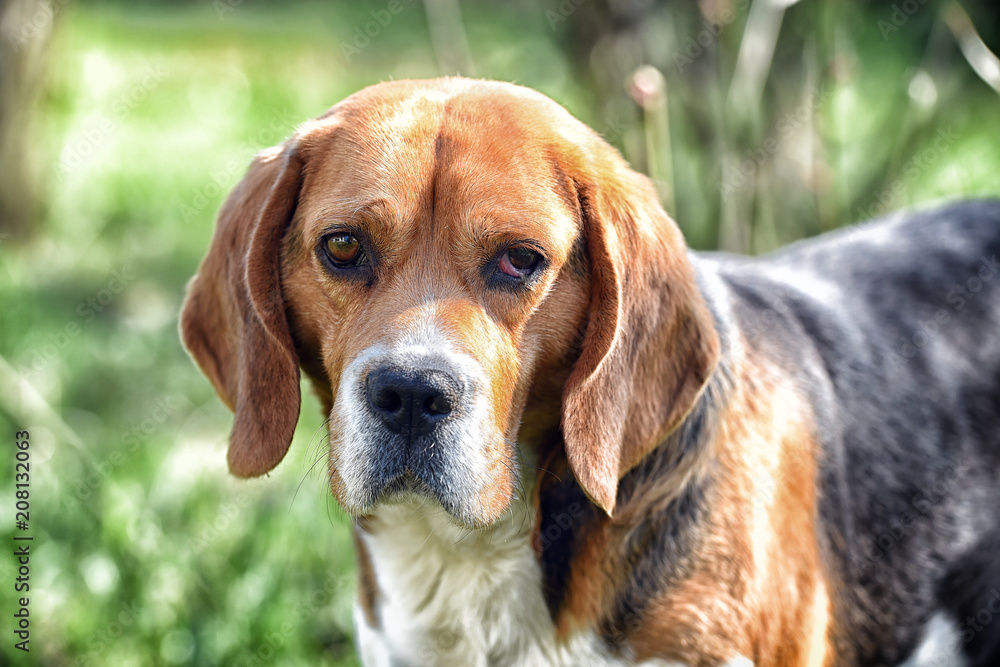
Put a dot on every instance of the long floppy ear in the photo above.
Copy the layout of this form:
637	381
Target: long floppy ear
650	344
233	321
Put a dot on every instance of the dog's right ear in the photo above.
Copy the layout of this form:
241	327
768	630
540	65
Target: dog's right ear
650	345
233	321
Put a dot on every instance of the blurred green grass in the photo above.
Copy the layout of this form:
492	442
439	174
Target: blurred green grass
146	551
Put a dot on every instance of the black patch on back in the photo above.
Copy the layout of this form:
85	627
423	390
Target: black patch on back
899	356
901	368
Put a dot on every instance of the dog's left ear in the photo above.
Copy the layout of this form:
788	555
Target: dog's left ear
650	344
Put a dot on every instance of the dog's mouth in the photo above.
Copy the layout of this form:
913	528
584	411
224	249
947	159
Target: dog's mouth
409	487
451	467
411	424
403	488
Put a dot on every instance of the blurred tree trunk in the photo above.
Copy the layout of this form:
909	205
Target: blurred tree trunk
25	31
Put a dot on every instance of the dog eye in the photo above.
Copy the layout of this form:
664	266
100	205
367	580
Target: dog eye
519	262
344	250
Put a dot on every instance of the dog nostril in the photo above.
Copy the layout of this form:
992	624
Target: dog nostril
437	404
387	400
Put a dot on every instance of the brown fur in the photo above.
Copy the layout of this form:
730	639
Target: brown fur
234	318
614	344
368	591
757	588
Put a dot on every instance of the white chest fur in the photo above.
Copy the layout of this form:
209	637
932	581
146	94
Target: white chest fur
450	596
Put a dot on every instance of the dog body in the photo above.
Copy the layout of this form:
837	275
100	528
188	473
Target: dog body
567	440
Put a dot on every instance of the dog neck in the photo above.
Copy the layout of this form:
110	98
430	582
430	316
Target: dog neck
449	595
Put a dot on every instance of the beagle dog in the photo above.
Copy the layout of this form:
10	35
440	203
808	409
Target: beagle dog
565	439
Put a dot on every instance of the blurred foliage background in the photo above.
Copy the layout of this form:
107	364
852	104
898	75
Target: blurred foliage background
123	124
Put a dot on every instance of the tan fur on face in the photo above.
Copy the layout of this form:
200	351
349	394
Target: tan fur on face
440	175
470	189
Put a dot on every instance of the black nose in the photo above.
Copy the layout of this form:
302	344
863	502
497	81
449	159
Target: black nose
411	403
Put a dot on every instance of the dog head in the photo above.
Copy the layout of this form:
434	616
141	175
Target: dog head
458	266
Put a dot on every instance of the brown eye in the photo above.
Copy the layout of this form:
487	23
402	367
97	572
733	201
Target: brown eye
344	249
519	262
